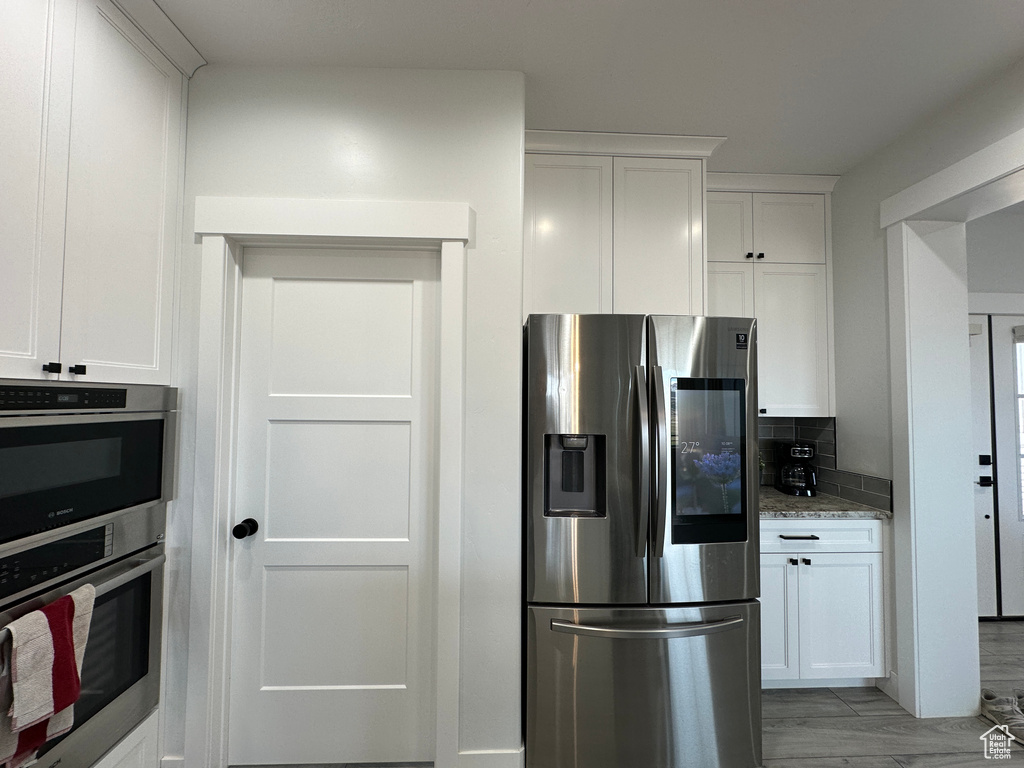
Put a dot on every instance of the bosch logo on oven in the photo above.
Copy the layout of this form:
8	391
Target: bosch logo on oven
62	512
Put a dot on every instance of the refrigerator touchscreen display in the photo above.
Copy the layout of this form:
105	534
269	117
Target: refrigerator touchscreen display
708	456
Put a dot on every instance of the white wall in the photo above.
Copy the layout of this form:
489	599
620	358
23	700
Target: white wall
397	135
995	252
863	421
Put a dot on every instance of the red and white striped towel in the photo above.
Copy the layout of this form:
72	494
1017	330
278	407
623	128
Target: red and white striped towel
46	652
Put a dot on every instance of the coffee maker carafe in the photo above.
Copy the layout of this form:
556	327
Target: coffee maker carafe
794	473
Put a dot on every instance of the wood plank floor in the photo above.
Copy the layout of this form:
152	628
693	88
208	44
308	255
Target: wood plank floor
864	728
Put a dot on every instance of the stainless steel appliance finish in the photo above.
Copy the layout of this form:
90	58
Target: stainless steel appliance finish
702	348
643	688
587	558
121	668
73	453
641	542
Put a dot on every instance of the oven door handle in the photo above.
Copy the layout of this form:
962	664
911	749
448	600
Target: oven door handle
141	566
138	566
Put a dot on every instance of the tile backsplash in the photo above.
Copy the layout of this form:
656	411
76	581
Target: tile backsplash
821	433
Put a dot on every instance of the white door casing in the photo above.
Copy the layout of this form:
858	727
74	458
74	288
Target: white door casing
225	225
984	512
332	653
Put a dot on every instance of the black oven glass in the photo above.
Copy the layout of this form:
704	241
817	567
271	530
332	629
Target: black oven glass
55	475
117	653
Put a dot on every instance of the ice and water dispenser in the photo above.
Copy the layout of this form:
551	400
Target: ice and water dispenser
574	467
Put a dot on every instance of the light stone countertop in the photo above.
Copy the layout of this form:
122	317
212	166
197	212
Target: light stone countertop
780	506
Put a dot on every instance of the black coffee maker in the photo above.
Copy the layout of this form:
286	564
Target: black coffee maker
794	472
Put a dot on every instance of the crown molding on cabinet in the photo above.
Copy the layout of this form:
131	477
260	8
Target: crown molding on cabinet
623	144
161	31
770	182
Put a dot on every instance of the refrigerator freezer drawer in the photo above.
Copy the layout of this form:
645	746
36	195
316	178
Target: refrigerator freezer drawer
644	687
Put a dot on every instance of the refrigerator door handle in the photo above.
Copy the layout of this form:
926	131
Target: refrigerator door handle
690	629
644	481
661	462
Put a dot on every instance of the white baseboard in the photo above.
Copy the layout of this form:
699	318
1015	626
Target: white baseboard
890	686
172	761
499	758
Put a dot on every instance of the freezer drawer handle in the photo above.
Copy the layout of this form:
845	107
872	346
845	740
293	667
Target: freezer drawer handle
692	629
812	537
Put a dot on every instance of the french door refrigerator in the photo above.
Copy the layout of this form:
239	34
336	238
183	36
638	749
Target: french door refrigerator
640	542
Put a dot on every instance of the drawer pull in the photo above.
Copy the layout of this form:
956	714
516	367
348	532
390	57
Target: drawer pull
811	537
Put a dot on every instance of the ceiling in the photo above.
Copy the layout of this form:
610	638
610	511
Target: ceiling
796	86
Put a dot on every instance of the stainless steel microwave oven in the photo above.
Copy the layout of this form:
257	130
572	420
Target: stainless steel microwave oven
72	453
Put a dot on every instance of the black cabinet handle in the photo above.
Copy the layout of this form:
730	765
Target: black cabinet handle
806	560
985	481
53	367
245	528
760	255
78	370
793	537
749	255
763	410
792	561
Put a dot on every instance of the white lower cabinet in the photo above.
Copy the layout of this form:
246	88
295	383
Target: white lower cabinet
137	749
822	610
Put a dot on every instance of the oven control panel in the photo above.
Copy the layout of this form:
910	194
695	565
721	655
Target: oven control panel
49	561
44	398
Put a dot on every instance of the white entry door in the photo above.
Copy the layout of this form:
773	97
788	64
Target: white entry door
997	375
332	632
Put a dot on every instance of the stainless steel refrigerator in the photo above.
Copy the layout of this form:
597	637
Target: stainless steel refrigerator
641	542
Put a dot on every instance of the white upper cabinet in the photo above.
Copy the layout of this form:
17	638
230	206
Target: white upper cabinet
567	234
614	223
731	289
36	59
791	307
659	254
89	261
768	257
122	202
787	228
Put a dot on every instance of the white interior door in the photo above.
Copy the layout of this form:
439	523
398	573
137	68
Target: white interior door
333	623
1008	389
984	511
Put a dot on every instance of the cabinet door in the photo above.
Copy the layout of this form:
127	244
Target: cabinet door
122	209
567	238
659	253
792	331
841	633
790	228
730	289
35	57
730	226
780	657
136	750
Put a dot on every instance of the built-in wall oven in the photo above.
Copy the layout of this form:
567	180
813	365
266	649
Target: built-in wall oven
85	474
71	453
120	673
